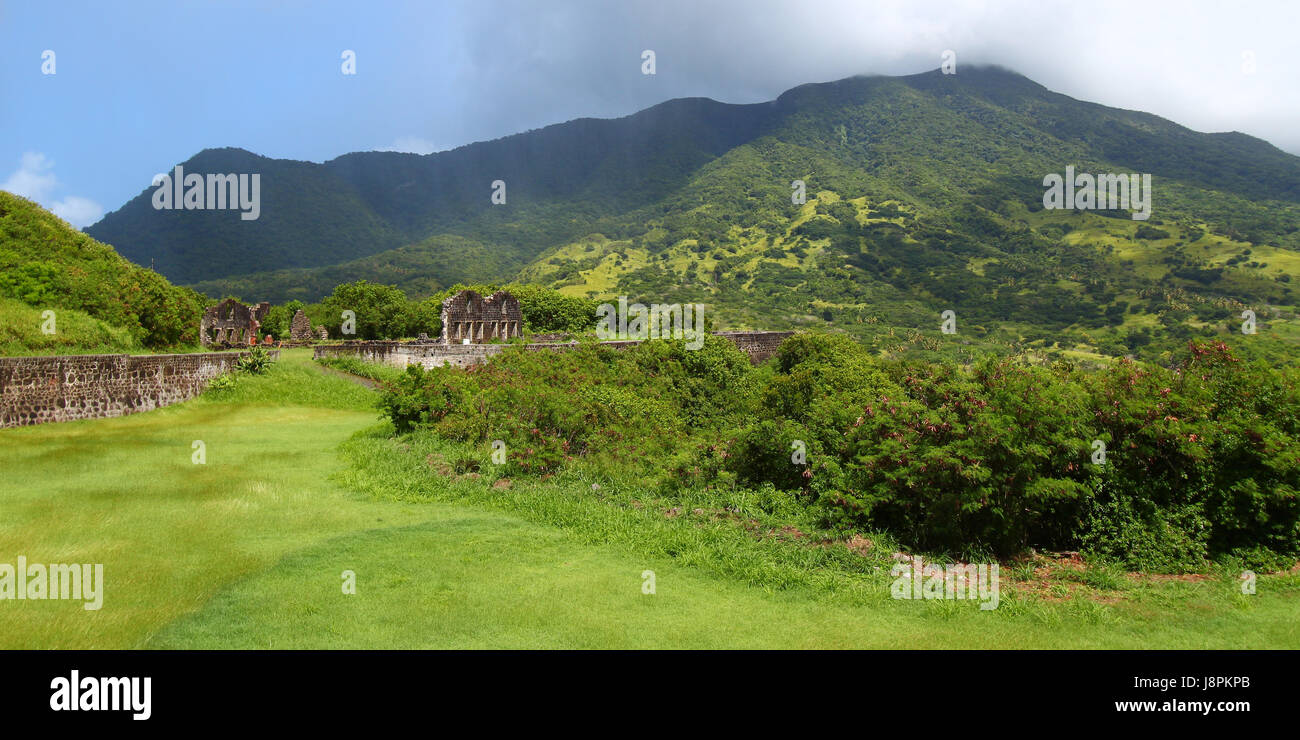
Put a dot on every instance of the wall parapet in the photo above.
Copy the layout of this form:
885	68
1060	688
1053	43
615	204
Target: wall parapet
759	345
38	390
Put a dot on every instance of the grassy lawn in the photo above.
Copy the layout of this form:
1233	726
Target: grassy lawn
300	485
170	533
477	580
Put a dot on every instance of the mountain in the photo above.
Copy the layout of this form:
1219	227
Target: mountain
363	203
924	193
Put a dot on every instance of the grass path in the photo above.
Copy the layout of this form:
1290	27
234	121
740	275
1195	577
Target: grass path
125	492
248	551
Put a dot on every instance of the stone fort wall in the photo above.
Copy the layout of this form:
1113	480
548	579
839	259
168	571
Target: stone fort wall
759	345
36	390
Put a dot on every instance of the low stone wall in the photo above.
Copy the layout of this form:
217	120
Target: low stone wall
378	352
36	390
759	345
402	354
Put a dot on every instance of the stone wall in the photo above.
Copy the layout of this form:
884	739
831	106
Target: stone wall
759	345
402	354
35	390
379	352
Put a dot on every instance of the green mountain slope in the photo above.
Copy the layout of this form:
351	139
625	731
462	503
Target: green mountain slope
924	194
418	269
309	216
100	301
359	204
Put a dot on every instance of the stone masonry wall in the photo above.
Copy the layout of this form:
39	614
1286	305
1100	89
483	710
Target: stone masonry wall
36	390
401	354
759	345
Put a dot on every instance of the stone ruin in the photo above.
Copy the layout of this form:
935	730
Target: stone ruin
468	315
232	324
300	327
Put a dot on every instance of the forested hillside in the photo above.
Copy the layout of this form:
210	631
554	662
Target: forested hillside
924	194
100	301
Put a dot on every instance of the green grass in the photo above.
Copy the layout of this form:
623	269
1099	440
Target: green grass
248	550
124	492
369	370
478	580
21	332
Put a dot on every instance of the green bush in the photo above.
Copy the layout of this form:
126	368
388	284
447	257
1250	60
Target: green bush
545	310
279	319
223	383
1201	461
991	458
255	361
626	410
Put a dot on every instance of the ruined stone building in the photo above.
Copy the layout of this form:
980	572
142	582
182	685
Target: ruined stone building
468	315
231	323
300	326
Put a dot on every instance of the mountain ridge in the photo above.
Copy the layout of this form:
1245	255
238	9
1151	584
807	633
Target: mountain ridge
923	191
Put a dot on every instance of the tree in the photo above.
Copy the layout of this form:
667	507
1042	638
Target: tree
377	312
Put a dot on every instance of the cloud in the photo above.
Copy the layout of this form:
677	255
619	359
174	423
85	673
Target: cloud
411	145
35	180
78	211
529	64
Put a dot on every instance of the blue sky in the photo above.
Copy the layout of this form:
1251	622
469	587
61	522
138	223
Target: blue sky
140	86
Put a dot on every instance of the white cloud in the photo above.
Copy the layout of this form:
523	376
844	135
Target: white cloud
78	211
34	179
411	145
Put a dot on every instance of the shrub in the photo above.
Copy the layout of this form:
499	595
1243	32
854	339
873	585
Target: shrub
255	361
627	410
546	310
991	459
279	319
223	383
1202	461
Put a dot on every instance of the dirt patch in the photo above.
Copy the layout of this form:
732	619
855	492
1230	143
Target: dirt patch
1169	578
439	464
859	544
